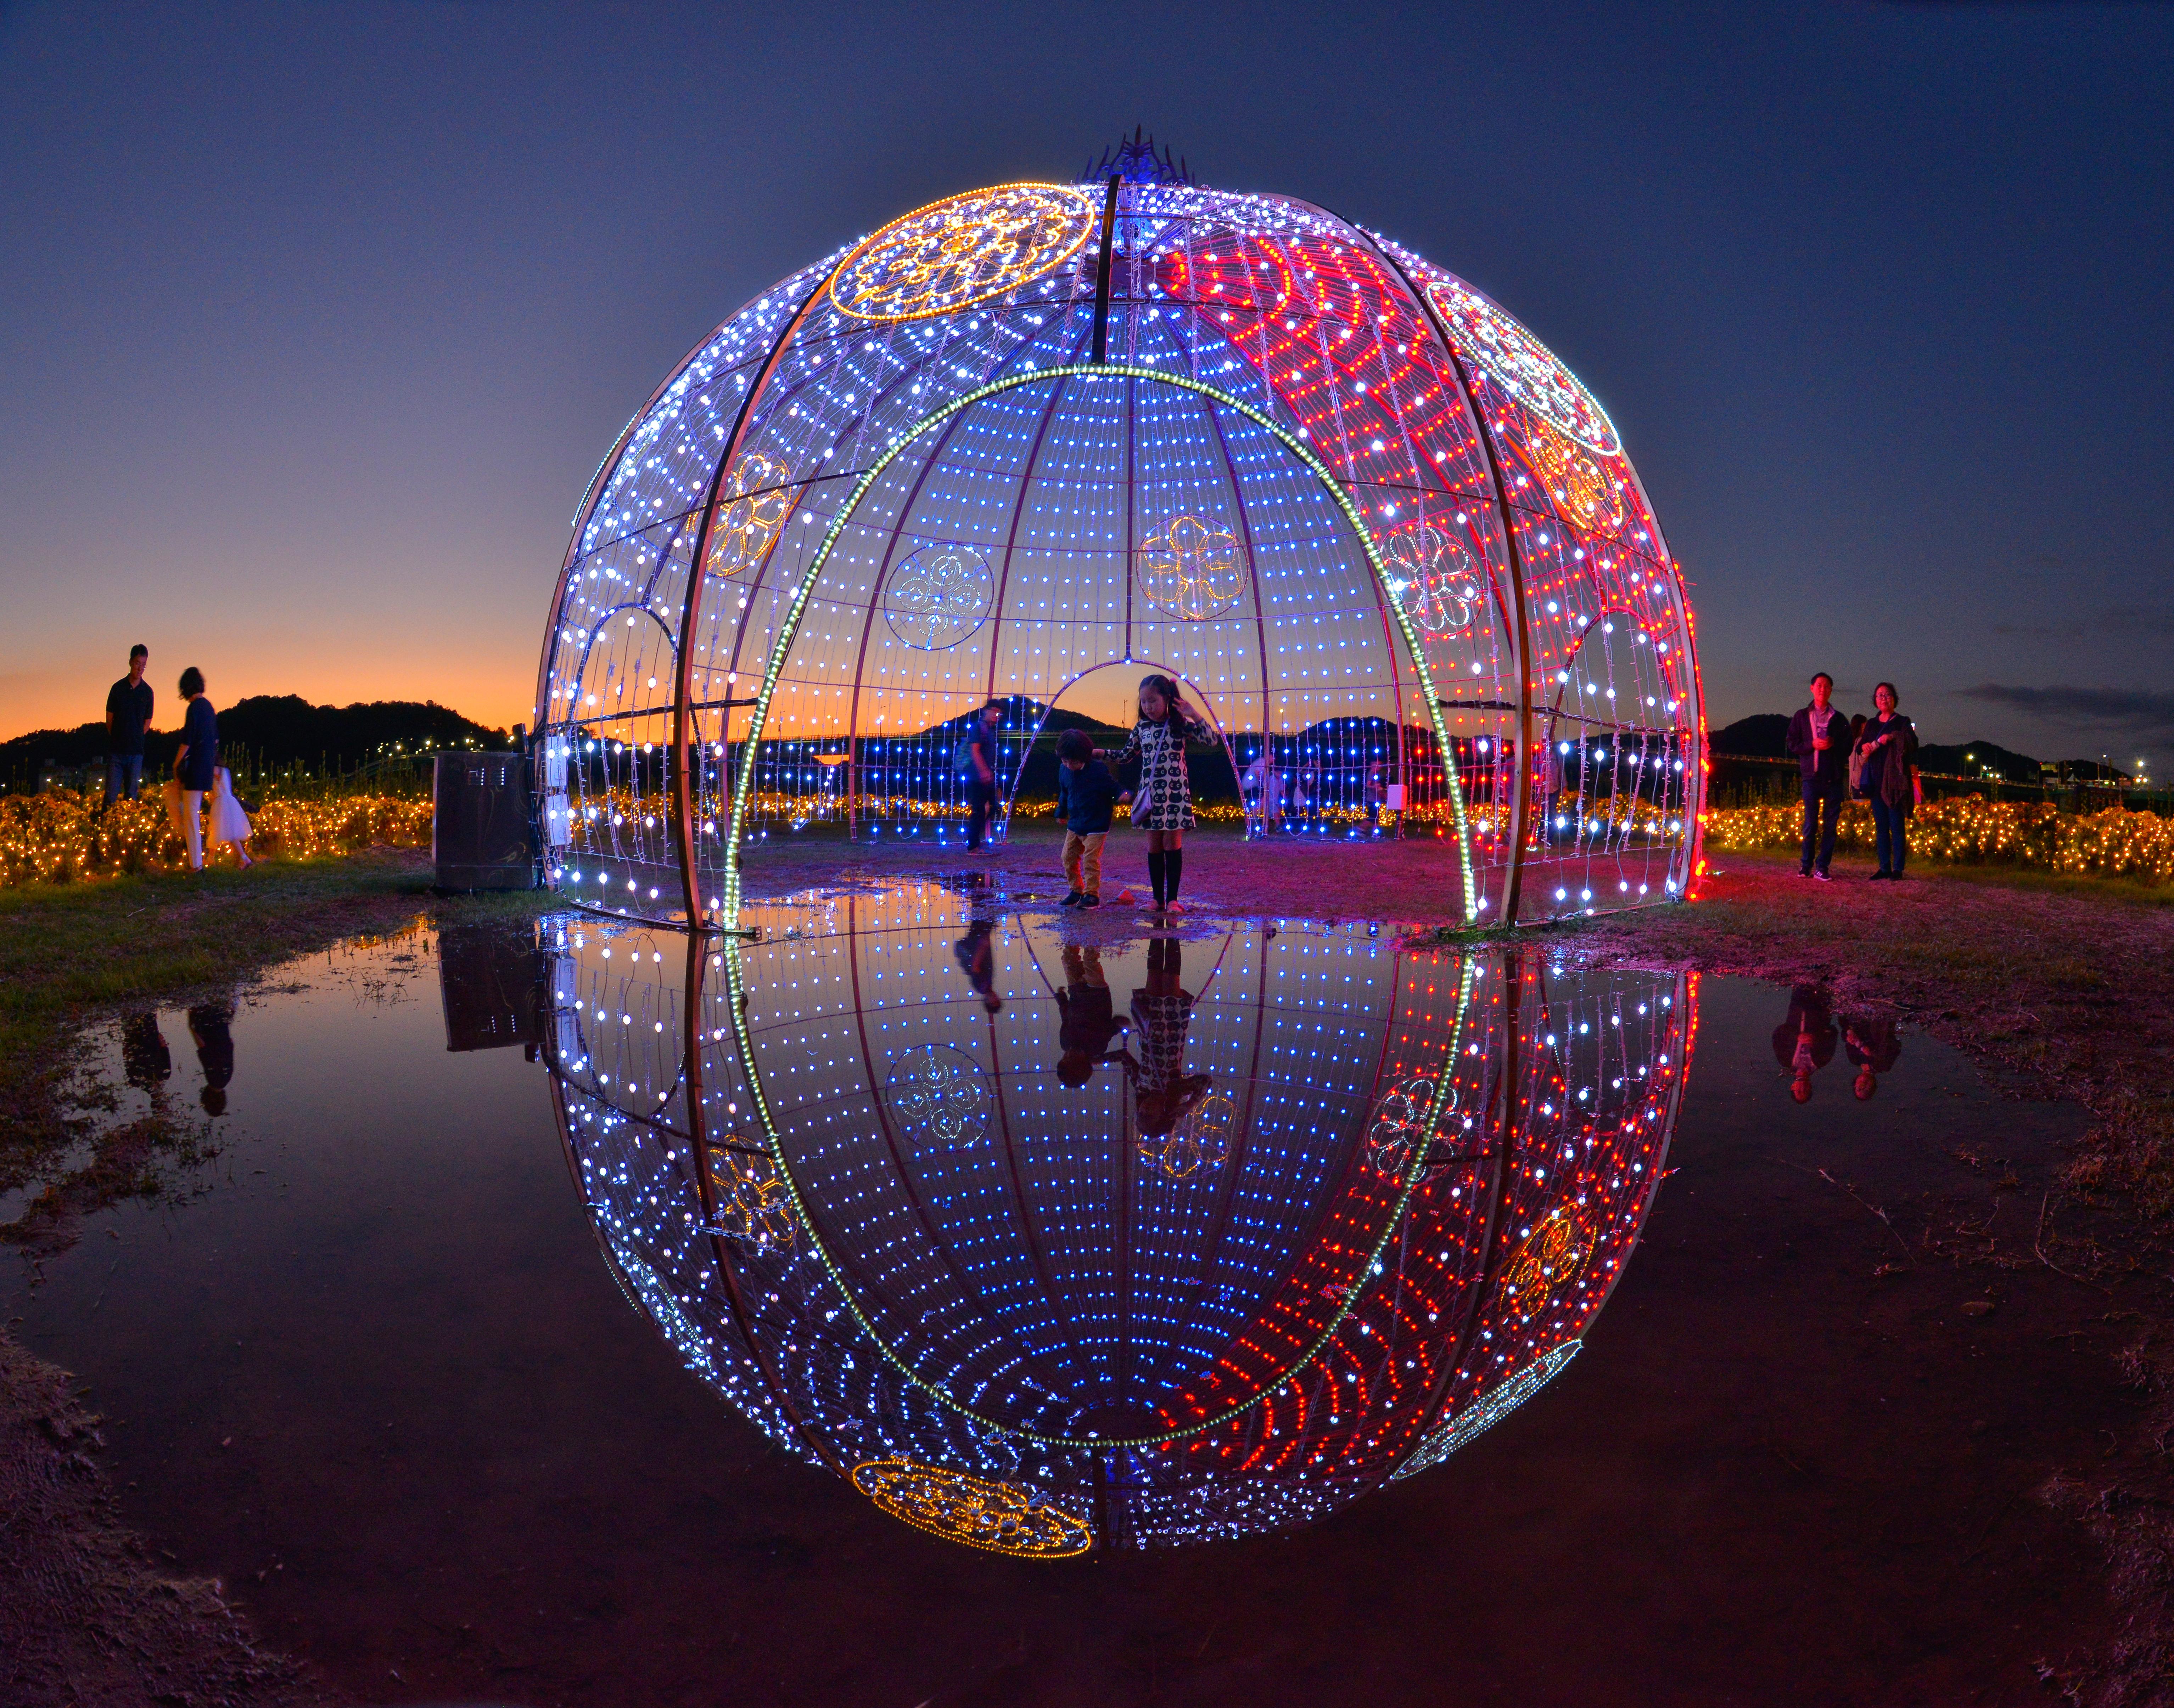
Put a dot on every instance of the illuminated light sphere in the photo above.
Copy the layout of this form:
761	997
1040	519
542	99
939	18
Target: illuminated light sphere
1311	1231
1033	441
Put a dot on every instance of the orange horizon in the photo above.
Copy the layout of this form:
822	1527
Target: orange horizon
497	692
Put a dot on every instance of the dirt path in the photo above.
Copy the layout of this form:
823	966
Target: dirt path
87	1620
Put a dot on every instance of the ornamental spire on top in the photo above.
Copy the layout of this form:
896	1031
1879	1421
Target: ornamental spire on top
1135	160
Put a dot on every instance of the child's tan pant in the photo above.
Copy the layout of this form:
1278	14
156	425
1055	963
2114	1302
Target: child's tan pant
1083	861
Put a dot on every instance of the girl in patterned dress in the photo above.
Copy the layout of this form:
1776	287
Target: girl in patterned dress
1162	803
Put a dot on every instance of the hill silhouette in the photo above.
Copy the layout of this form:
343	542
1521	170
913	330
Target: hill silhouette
275	729
1762	736
1973	758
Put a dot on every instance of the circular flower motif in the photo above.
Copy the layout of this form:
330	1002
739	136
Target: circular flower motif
752	506
1199	1144
1001	1517
1191	569
1433	576
1522	366
1586	494
753	1205
1397	1135
940	1090
963	249
938	596
1552	1257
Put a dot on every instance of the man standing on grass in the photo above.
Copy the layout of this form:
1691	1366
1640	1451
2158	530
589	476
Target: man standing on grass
128	716
1819	741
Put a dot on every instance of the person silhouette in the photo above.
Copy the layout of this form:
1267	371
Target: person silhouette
210	1031
1162	1014
976	954
1873	1045
144	1057
1086	1022
1805	1042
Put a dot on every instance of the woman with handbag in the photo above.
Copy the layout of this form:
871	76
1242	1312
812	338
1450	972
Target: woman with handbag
1881	766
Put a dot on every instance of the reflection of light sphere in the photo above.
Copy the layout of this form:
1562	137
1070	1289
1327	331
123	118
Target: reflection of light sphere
1396	1138
922	1262
1198	1145
999	1516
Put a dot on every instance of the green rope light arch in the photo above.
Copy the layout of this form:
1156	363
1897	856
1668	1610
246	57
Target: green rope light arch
742	788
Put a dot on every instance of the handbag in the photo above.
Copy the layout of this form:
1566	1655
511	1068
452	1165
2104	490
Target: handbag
1917	788
174	815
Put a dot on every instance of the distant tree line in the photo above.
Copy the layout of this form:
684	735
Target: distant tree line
276	729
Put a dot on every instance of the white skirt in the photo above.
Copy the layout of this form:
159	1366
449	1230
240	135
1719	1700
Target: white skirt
229	822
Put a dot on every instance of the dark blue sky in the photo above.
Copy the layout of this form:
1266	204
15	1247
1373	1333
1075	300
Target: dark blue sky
313	321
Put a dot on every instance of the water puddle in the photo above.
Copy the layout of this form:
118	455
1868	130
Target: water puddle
936	1299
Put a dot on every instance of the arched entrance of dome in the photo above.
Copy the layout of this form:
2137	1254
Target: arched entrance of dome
1054	521
1107	698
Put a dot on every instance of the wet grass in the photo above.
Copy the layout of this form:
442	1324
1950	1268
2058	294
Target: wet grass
70	953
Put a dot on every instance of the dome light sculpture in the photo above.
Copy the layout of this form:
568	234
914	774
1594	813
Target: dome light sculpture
1028	433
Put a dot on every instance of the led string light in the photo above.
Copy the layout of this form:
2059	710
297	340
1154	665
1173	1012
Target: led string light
1259	298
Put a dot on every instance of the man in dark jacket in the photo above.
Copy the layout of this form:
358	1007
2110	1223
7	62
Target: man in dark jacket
128	716
979	750
1819	741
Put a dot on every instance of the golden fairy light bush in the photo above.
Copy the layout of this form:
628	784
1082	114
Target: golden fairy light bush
1973	831
61	836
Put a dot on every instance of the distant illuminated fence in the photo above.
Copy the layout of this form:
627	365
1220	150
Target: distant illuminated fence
1742	780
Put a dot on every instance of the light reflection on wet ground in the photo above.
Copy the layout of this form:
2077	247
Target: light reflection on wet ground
390	1389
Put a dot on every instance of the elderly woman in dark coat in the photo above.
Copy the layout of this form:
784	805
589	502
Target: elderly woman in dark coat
1882	765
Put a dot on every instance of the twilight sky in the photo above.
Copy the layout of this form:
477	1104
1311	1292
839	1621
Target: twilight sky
315	321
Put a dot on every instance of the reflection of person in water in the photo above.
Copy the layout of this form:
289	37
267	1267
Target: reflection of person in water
1804	1043
1872	1045
977	959
208	1027
1085	1023
144	1057
1161	1013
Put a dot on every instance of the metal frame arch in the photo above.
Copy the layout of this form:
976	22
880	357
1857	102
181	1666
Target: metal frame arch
789	628
1694	811
685	763
1521	797
1174	672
